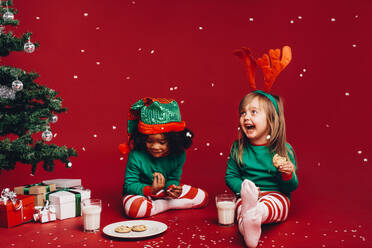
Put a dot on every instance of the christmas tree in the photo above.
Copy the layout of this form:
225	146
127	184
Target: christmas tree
27	109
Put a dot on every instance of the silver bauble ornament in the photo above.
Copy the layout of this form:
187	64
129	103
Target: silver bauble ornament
53	119
17	85
47	135
8	16
29	47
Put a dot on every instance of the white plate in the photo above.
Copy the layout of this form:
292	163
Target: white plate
153	228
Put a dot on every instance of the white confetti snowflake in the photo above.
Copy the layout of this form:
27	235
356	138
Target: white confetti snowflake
251	19
85	14
75	76
333	19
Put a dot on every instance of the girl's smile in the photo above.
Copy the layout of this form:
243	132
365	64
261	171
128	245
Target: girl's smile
253	122
157	145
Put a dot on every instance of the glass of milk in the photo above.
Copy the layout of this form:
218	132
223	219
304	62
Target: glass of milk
225	204
91	209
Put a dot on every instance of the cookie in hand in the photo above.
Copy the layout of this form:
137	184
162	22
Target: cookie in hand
278	160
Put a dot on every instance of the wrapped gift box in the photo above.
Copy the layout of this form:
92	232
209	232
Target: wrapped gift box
67	202
15	214
37	190
45	214
64	183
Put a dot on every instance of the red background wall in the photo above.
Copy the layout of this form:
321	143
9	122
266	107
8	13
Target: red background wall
122	51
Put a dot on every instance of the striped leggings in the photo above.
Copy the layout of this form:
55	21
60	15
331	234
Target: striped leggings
138	206
275	206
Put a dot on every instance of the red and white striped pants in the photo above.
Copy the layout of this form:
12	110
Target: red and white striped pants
138	206
275	206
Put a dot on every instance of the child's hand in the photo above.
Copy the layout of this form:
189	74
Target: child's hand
174	191
286	168
158	183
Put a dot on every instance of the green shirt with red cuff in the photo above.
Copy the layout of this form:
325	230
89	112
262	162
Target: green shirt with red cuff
259	168
140	167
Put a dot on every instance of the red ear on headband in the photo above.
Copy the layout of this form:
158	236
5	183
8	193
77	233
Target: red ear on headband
270	70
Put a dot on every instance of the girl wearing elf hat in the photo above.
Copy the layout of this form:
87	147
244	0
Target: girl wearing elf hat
262	165
157	143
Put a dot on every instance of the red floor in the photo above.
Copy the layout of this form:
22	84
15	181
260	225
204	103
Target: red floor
195	228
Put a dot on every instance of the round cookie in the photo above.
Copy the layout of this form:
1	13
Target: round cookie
278	160
139	228
123	229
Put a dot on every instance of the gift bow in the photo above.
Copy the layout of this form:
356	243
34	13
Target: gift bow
7	194
47	209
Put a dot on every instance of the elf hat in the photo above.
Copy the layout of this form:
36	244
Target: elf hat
270	71
153	116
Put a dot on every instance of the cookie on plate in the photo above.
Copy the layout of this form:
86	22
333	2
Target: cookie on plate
123	229
139	228
278	160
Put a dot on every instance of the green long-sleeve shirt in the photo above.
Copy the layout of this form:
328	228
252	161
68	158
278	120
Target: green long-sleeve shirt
141	165
258	167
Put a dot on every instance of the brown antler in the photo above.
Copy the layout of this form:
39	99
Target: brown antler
277	65
250	65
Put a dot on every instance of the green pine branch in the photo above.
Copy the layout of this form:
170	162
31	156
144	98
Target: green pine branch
23	150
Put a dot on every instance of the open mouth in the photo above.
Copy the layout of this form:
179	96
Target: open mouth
249	127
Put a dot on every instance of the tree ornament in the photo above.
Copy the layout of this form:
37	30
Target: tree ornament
8	16
17	85
47	135
53	119
29	47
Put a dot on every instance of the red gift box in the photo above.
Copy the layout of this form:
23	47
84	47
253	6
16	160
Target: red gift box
11	216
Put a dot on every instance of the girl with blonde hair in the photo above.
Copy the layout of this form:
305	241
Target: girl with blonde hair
262	165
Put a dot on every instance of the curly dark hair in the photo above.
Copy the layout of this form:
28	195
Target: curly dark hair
178	142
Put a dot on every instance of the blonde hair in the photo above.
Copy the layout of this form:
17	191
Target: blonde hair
275	122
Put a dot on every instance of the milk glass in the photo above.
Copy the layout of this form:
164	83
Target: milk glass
91	209
225	204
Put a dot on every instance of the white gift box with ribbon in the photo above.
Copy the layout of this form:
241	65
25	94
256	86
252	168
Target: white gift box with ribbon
65	202
45	214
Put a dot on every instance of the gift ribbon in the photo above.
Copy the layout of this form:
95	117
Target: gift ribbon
77	199
47	210
7	194
27	187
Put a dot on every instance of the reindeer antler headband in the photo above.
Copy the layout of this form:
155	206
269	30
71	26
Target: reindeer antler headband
270	71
